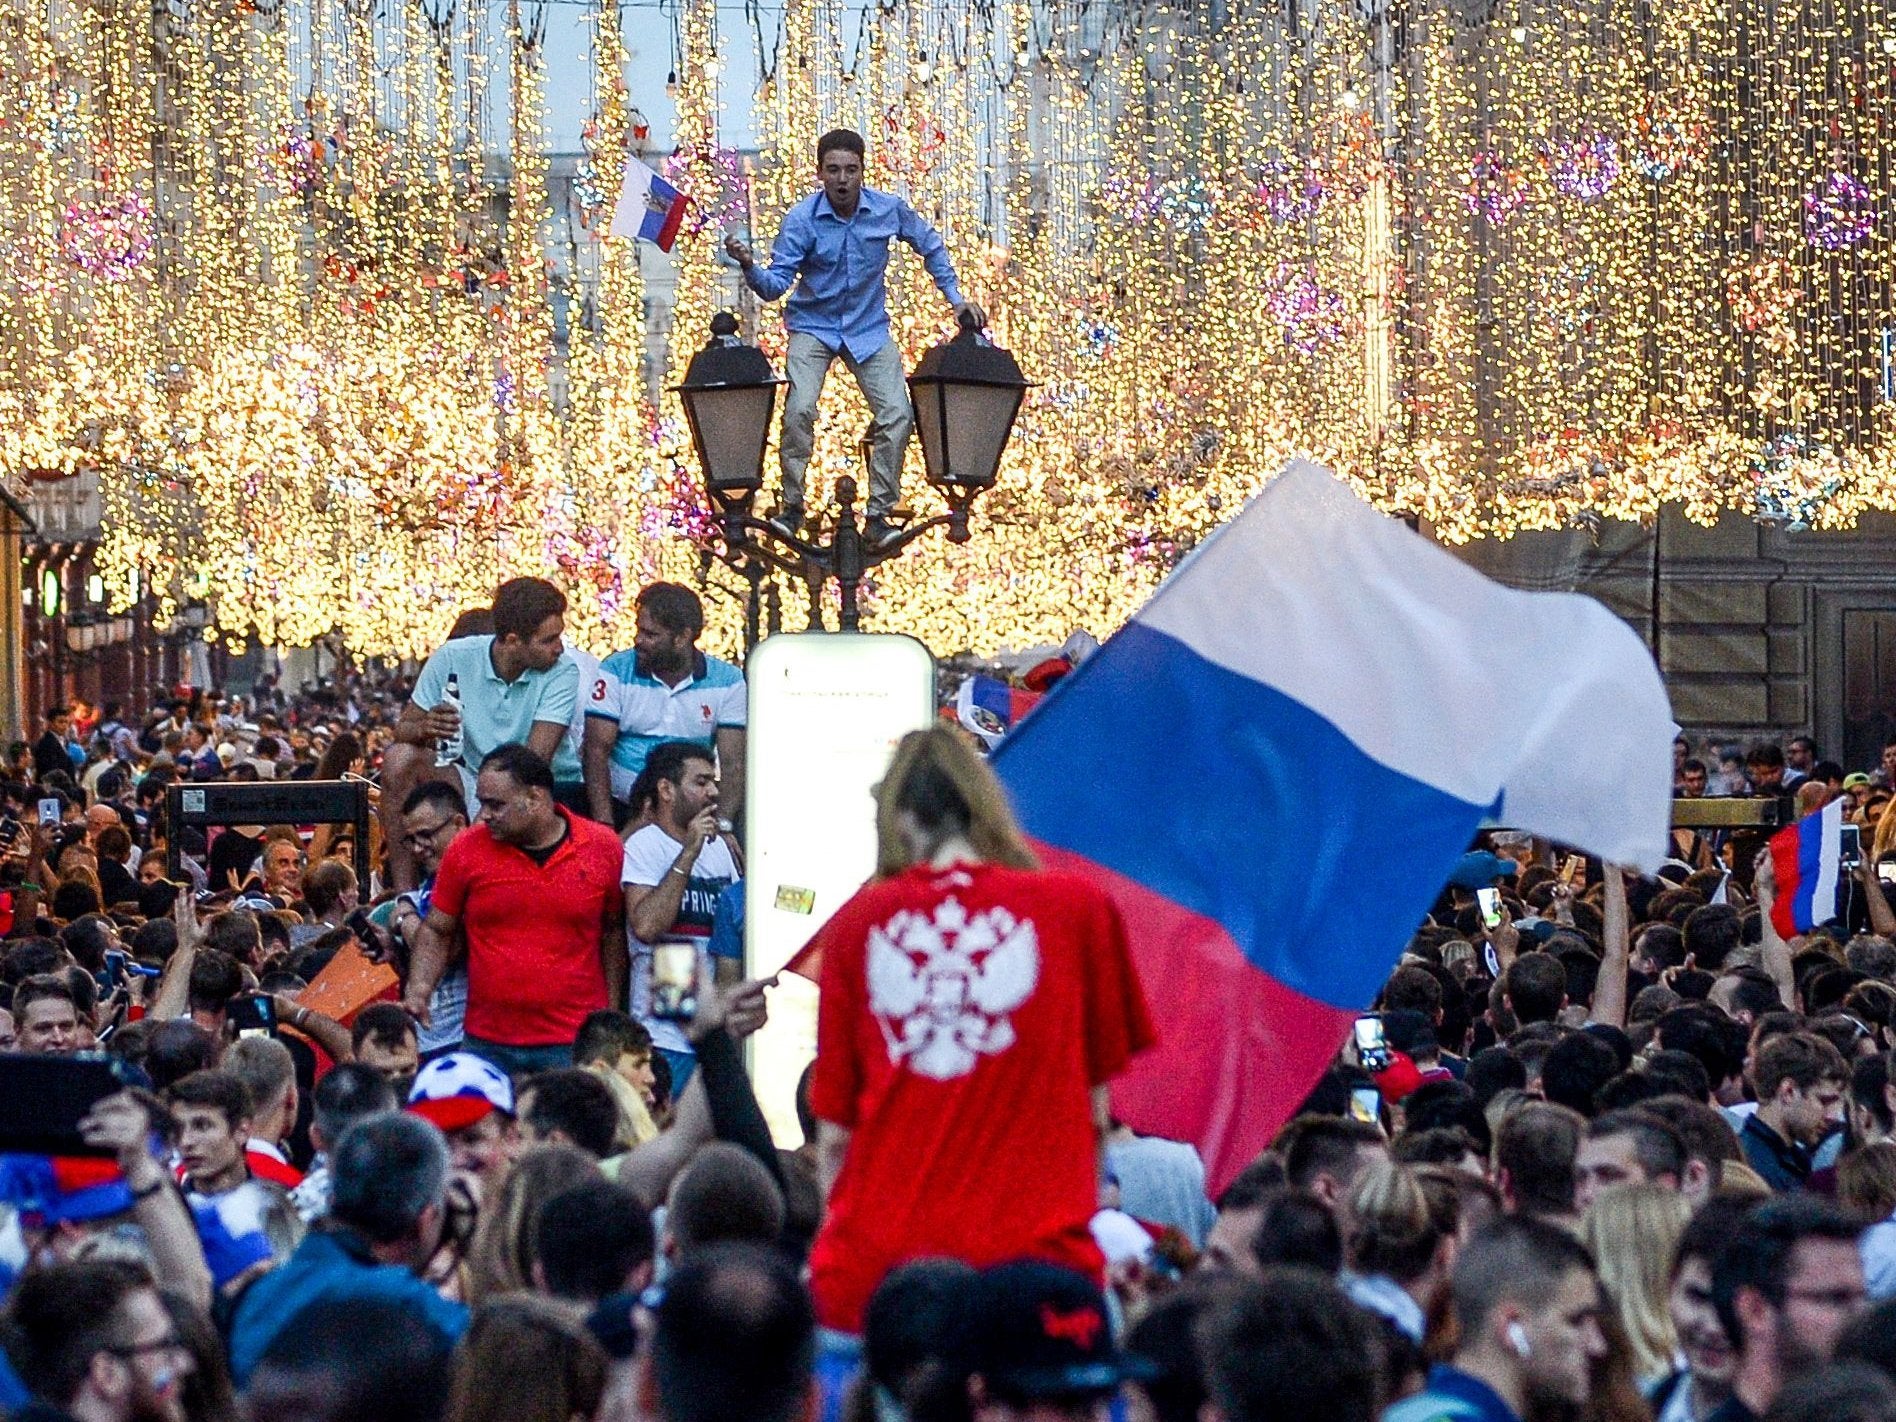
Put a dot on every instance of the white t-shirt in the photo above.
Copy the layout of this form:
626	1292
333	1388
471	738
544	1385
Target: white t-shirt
588	666
649	856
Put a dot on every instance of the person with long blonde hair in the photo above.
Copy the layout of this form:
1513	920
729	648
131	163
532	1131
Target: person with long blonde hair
1633	1232
974	1007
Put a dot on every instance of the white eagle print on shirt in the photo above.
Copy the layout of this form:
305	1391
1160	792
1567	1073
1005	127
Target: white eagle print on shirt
941	987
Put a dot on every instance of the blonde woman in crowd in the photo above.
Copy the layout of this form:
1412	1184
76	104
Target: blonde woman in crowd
1633	1232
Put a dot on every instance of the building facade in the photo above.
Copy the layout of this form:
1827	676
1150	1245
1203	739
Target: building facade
1762	632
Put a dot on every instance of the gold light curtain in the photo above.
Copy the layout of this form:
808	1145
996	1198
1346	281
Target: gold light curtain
1505	263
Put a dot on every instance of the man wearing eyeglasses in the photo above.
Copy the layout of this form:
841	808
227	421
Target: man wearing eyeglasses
1786	1284
432	816
93	1340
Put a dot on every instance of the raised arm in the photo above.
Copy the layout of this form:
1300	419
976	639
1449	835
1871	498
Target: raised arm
786	258
648	1169
122	1125
1609	992
1776	952
652	909
173	996
1882	917
324	1031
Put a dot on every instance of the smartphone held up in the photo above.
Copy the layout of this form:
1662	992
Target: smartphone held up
1489	901
675	969
1372	1047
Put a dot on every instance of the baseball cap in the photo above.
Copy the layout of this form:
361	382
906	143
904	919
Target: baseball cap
459	1089
1042	1331
1479	868
1854	779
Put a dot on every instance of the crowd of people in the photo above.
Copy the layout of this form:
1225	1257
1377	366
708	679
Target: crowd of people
457	1143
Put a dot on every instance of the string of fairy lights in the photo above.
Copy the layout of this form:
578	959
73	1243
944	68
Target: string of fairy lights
294	278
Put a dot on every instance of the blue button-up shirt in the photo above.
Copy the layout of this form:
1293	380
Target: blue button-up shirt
841	299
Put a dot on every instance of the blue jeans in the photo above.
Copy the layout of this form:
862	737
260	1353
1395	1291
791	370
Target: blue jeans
521	1061
682	1065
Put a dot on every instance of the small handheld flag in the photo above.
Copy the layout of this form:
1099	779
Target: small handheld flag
1806	858
649	207
990	708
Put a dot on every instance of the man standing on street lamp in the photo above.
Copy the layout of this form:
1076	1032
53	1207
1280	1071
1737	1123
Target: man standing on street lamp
837	242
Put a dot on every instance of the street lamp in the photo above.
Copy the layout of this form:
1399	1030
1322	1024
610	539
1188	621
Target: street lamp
729	394
967	392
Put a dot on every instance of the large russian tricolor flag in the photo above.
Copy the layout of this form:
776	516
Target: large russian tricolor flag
1806	858
1274	766
648	207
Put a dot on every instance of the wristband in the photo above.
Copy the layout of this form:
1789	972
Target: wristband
676	870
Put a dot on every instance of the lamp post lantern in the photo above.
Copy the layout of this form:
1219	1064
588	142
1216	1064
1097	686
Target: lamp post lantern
967	392
730	393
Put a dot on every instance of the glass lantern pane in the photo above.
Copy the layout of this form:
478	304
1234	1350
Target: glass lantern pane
733	425
928	425
979	418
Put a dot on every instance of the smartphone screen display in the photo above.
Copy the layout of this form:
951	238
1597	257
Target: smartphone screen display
49	812
1366	1104
1852	842
1490	902
1372	1048
254	1016
1369	1034
675	981
1887	872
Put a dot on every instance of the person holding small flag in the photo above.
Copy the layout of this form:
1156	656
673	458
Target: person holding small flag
834	247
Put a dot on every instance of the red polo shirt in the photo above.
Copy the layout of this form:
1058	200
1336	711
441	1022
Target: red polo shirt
532	931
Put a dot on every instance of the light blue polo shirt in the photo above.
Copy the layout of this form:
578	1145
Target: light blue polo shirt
496	712
649	713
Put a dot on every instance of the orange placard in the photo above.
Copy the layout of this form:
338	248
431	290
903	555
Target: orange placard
347	985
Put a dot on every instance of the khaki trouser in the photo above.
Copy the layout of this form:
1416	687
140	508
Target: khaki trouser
884	385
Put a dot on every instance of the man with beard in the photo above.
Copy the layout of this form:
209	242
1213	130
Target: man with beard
673	871
1785	1284
660	689
94	1341
534	890
1530	1306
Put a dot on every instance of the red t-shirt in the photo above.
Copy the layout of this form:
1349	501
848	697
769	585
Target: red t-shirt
533	931
966	1015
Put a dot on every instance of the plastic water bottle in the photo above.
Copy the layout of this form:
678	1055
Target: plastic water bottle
448	748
